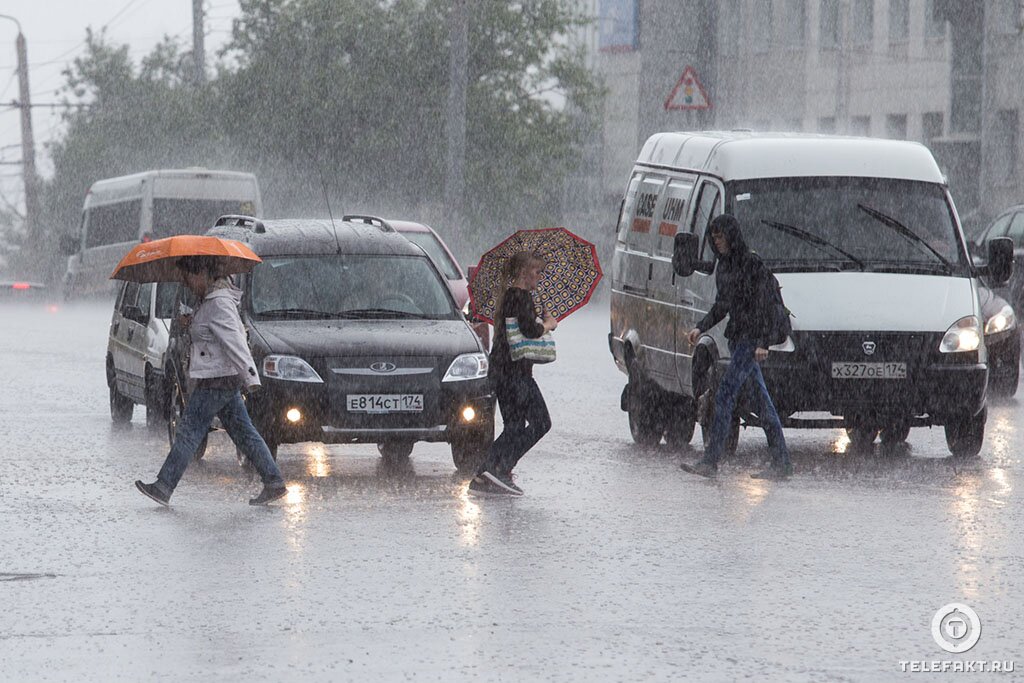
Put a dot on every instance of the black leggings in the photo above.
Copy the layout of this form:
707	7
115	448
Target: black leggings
526	420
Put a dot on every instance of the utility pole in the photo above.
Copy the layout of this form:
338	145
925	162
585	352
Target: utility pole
198	49
28	150
455	122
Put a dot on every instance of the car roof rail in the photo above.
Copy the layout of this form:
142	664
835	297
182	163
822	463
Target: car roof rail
241	221
370	220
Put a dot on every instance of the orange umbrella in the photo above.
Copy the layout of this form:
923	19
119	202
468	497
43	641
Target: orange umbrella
157	261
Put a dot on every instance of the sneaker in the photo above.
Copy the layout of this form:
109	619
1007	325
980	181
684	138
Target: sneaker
269	495
701	468
775	473
480	486
151	491
504	483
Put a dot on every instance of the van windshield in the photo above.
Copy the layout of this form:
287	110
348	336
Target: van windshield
866	224
350	286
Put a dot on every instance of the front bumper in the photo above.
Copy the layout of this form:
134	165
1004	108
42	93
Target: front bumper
938	386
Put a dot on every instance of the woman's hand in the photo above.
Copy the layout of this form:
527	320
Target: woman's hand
550	324
760	354
693	336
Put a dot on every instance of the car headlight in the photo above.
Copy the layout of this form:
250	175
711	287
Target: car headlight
1001	321
963	335
467	366
291	368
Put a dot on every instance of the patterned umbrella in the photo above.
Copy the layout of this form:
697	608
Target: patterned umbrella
569	280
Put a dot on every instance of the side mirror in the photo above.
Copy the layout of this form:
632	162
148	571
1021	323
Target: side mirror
684	254
68	244
1000	260
134	313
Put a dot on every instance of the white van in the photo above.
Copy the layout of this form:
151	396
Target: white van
120	212
866	243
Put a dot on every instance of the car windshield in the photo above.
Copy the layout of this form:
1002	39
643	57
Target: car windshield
350	286
429	243
866	224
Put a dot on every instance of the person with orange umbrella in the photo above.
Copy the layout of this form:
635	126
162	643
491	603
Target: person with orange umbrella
221	364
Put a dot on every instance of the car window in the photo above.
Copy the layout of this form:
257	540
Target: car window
146	298
429	243
130	297
1016	231
998	227
671	215
625	216
707	208
350	286
166	295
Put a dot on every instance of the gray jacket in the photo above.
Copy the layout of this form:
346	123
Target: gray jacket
219	346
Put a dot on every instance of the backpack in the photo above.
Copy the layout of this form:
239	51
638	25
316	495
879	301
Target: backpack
777	315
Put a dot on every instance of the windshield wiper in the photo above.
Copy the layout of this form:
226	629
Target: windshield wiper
905	232
297	313
378	313
811	238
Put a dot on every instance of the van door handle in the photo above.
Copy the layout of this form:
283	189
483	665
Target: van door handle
131	333
650	271
686	302
115	327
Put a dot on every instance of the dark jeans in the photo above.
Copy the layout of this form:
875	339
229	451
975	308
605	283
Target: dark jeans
526	420
203	405
742	367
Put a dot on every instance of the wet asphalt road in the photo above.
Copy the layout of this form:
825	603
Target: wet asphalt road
615	566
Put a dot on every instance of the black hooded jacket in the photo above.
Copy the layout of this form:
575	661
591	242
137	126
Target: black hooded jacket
742	279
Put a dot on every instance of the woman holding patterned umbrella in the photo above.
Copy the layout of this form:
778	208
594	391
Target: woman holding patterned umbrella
561	271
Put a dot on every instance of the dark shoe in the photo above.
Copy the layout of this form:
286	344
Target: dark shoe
479	485
269	495
701	468
151	491
503	482
775	473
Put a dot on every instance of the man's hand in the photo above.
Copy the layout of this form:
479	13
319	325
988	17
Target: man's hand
760	354
693	336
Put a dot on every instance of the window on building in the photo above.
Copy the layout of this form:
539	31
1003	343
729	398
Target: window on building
828	25
1006	16
793	21
761	23
729	27
931	126
862	22
860	125
827	124
899	21
934	24
1004	146
896	126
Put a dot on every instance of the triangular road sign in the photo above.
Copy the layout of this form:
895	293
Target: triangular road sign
688	93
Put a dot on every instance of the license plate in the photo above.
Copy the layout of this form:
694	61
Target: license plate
385	403
869	371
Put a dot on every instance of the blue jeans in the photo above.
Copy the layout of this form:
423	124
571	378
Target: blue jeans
203	405
526	420
742	367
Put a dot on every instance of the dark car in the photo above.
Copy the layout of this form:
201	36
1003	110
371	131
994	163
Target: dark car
1002	339
1010	223
358	339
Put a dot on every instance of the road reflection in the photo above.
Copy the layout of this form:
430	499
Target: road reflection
468	516
318	463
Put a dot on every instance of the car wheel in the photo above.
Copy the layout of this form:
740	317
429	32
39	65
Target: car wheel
894	433
861	438
645	424
964	437
681	423
121	408
395	451
156	404
706	390
176	408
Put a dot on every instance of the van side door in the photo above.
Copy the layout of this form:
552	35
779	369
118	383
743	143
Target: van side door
123	331
670	216
696	293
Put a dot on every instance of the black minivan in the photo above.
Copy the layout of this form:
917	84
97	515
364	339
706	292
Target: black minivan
358	340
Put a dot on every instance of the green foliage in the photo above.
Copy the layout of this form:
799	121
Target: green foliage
351	91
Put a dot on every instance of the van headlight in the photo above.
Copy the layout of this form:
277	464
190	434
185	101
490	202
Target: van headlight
291	368
963	335
467	366
1001	321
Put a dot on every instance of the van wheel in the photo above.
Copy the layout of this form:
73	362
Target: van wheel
965	437
894	433
394	451
121	408
175	411
861	438
645	424
706	390
682	421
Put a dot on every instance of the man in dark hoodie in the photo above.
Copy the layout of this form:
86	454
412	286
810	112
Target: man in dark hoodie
742	280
